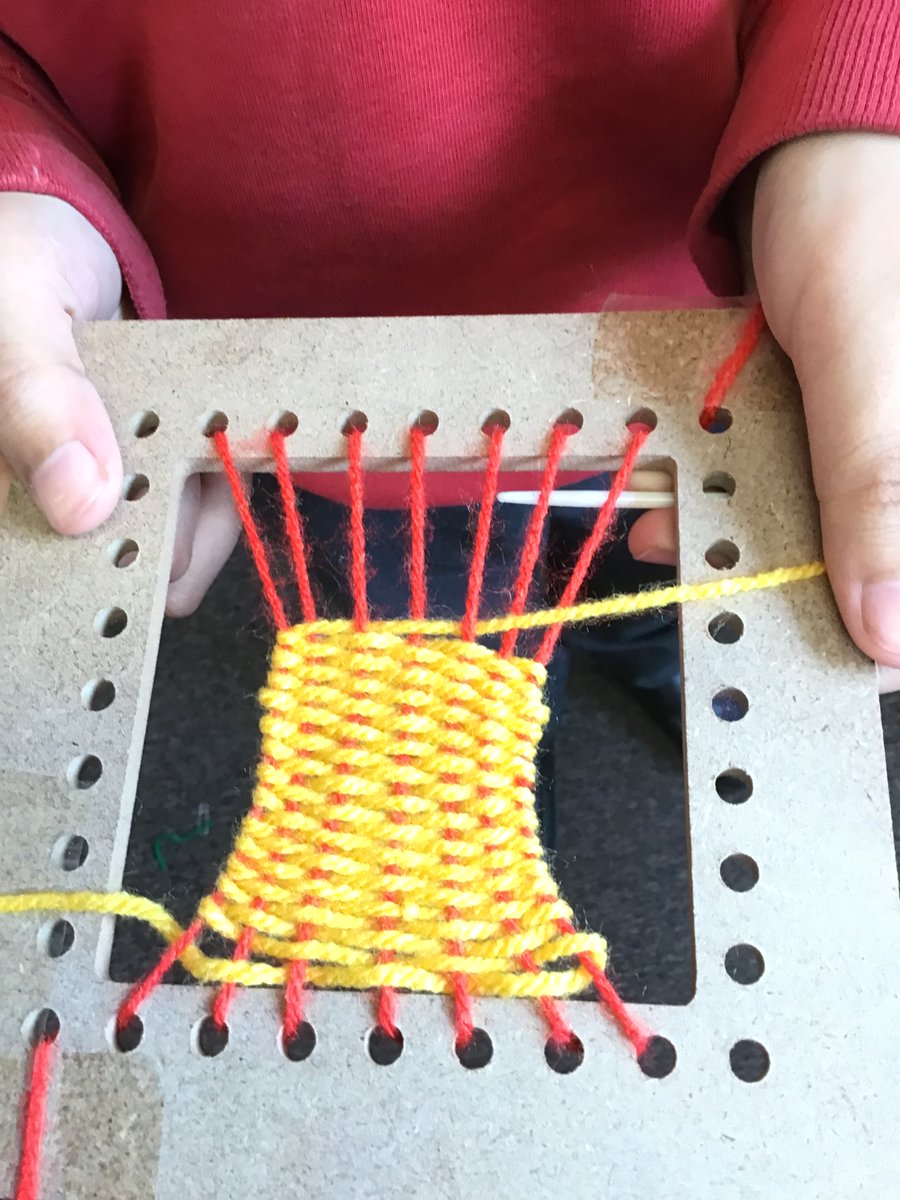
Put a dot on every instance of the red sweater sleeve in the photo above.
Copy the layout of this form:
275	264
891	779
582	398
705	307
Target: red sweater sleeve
43	152
809	66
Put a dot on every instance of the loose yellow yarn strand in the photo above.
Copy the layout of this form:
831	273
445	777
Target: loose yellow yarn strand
591	610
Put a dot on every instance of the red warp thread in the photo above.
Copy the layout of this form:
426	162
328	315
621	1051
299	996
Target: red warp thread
139	994
483	533
254	541
731	367
613	1002
292	523
463	1012
560	1030
531	547
417	583
605	518
387	1012
357	530
28	1182
225	997
294	995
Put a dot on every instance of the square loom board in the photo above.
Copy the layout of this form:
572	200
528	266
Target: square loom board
165	1122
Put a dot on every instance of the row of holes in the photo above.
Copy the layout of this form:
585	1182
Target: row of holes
99	693
739	872
743	963
210	1040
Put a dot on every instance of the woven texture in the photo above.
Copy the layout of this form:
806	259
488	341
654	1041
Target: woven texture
393	837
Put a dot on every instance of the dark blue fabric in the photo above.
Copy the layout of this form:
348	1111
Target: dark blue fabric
641	651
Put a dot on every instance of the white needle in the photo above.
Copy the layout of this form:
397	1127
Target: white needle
591	499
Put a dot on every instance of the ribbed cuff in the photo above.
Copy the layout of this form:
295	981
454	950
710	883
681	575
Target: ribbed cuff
811	66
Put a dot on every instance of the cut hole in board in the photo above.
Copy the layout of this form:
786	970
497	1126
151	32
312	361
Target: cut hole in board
70	853
734	786
84	771
617	850
744	964
726	628
123	553
384	1048
98	694
42	1025
723	555
564	1057
719	483
300	1045
130	1036
110	622
56	938
658	1058
749	1061
477	1052
135	487
739	872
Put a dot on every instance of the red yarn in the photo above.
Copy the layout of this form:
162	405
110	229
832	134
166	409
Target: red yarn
617	1010
225	997
417	582
254	541
483	533
732	366
294	996
292	523
531	547
463	1013
602	525
387	1012
28	1183
135	998
357	529
560	1029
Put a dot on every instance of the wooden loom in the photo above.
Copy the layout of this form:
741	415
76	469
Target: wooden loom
164	1120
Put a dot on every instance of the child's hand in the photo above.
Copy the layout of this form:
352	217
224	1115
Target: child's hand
826	253
54	431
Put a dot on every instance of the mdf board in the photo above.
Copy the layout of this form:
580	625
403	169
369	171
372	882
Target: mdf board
164	1121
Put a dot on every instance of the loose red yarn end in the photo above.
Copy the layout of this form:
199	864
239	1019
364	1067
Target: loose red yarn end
731	367
602	526
483	533
225	997
292	524
614	1004
254	541
531	547
28	1183
358	570
294	996
133	1001
417	513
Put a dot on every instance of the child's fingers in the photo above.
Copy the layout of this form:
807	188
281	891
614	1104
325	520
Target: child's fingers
215	528
653	537
54	431
850	375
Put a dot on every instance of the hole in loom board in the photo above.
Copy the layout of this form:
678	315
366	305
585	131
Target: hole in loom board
621	849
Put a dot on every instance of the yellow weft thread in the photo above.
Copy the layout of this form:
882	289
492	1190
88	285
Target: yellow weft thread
393	838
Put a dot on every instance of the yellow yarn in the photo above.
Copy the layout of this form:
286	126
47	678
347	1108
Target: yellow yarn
593	610
393	839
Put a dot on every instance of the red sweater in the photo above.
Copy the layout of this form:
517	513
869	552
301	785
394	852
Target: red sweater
390	157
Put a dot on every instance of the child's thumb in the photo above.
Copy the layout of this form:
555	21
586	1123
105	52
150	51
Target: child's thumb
851	390
54	430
